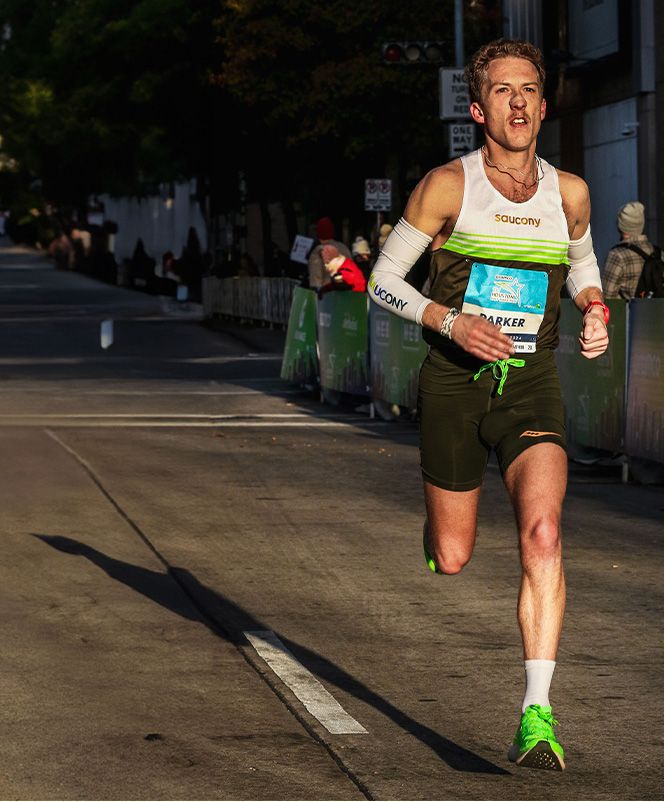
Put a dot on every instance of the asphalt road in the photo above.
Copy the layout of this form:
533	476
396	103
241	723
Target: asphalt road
165	496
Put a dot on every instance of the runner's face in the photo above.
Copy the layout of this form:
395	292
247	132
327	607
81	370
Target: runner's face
512	107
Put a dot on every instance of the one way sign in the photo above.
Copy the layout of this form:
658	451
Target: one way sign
460	139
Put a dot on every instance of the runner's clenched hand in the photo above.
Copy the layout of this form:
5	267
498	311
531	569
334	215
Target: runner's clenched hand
593	337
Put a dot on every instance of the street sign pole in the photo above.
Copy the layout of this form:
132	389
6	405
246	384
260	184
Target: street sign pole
454	98
459	34
378	198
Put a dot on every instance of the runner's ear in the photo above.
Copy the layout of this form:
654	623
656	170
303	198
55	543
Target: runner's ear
477	113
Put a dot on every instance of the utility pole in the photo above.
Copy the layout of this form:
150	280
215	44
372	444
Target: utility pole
454	95
459	33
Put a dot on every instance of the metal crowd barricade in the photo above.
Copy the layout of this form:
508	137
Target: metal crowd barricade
261	299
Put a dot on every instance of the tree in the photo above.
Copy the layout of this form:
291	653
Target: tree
119	95
106	95
319	108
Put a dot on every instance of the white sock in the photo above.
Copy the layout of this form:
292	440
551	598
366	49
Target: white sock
538	679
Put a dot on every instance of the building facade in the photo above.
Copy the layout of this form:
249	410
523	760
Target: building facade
604	90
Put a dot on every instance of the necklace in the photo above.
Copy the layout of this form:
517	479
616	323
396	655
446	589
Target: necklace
538	170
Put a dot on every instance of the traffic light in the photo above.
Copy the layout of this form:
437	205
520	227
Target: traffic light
413	52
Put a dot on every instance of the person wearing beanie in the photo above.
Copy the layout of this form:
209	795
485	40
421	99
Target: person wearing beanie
360	247
325	233
325	229
344	273
384	233
625	261
362	255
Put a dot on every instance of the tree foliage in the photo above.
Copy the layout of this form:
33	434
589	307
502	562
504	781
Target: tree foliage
105	95
320	106
119	95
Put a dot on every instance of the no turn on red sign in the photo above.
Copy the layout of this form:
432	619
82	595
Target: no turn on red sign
378	194
453	95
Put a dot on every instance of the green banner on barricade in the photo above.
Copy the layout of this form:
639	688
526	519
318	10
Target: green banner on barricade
644	419
300	362
343	342
397	351
593	390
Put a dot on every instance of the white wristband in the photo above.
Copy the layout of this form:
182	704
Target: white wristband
447	323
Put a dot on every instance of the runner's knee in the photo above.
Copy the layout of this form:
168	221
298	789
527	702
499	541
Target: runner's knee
541	540
451	557
450	564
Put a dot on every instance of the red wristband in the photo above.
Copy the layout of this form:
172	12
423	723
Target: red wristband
606	311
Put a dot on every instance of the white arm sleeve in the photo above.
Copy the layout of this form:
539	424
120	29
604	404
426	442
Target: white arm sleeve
584	270
386	285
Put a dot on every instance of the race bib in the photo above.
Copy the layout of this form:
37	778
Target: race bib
511	297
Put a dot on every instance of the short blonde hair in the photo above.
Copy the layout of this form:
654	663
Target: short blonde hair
475	73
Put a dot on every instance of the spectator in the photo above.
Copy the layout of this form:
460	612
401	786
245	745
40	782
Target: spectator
142	267
166	276
60	250
325	233
80	249
344	272
625	261
190	264
362	255
384	233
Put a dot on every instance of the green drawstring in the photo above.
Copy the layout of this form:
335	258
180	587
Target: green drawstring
500	370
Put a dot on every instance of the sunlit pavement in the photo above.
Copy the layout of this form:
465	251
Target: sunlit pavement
168	494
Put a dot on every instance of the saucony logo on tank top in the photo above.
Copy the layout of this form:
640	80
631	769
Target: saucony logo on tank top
520	221
506	261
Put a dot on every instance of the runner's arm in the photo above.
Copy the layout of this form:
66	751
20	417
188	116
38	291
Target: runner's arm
583	282
425	217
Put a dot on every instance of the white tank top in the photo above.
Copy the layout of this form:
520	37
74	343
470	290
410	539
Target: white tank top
507	260
490	226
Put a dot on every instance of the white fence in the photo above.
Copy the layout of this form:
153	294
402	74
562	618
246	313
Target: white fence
162	222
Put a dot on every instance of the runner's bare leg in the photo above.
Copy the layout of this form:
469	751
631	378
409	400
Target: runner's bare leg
452	516
536	483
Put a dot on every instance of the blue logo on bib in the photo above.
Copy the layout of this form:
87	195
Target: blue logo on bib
514	298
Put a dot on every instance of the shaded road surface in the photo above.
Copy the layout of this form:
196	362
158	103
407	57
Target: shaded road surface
164	496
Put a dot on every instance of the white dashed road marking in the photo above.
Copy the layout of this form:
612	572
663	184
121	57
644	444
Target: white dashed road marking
303	684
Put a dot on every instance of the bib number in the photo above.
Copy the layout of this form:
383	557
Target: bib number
512	297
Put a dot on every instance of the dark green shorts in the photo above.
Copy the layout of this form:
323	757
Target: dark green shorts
461	420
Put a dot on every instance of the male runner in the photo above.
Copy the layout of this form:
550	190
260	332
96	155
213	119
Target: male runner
507	230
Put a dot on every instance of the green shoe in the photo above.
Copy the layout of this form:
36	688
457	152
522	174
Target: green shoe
428	557
535	744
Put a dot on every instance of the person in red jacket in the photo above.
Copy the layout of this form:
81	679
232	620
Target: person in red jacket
344	272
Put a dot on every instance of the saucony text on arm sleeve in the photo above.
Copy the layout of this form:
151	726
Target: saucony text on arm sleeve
584	271
386	285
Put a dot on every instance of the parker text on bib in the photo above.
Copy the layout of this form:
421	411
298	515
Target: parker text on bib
512	297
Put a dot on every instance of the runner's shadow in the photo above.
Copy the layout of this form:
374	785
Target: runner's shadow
179	591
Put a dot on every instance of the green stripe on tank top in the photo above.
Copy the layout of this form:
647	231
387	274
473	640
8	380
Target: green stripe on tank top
490	238
529	251
505	242
532	247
